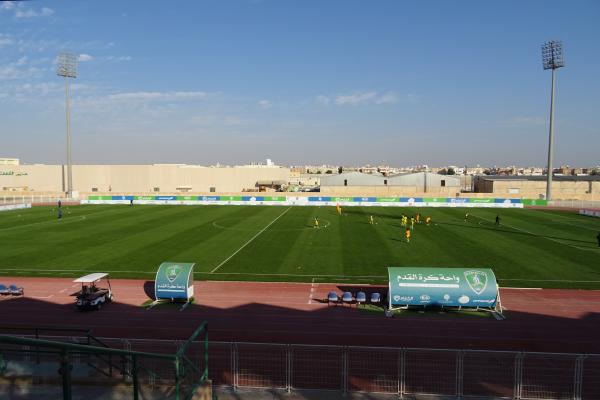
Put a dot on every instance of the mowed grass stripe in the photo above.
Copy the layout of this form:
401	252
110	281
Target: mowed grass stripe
270	251
531	244
87	241
215	269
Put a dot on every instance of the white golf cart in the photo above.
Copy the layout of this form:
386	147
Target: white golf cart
91	295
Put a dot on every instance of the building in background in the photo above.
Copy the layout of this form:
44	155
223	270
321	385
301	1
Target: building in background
9	161
420	183
586	187
157	178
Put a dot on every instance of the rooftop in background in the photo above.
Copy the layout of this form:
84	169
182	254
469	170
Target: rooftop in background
583	178
9	161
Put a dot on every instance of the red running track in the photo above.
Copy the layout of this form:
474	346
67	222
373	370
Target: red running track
537	320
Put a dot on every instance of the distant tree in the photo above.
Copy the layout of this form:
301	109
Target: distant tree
329	171
340	170
360	170
595	172
318	172
450	171
443	171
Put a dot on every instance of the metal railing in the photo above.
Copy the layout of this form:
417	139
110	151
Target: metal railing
89	364
406	371
574	204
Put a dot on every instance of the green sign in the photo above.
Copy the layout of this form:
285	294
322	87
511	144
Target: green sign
447	287
434	199
276	198
143	197
100	198
342	199
531	202
187	197
174	281
387	199
230	198
474	200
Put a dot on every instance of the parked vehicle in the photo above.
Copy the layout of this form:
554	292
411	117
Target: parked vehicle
92	296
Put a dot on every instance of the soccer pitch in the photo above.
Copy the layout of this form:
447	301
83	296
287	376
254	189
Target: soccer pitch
531	248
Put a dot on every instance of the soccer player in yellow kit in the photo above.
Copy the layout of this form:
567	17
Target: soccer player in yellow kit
407	235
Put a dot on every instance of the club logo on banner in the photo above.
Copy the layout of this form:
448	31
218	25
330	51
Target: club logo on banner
173	272
477	281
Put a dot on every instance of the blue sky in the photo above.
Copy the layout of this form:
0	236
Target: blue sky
301	82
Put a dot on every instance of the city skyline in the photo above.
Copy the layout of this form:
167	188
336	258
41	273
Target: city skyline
347	83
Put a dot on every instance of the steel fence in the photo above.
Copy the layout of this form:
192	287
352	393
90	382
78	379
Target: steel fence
575	203
405	372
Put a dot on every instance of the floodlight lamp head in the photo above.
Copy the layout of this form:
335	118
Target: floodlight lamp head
67	65
552	55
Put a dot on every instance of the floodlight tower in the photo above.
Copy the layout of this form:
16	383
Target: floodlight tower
67	68
552	58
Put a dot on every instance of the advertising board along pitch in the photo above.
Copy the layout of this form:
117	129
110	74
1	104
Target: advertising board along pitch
472	288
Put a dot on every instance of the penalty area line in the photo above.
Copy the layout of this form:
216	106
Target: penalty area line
249	241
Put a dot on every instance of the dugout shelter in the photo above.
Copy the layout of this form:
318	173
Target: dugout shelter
470	288
174	282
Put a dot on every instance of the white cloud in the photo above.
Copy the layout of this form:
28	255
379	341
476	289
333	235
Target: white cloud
7	5
148	96
119	58
358	99
264	104
355	99
323	100
6	40
84	57
386	98
22	12
12	72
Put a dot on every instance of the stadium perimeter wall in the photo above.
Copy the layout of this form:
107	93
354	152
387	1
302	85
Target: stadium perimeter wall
137	178
255	199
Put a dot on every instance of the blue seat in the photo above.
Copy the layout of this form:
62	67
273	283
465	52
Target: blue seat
332	297
347	297
15	290
361	297
4	290
375	298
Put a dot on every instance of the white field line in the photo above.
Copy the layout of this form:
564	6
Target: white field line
54	220
568	223
316	276
535	234
545	280
250	241
312	291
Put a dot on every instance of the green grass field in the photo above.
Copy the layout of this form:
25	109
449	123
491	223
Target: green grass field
531	248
